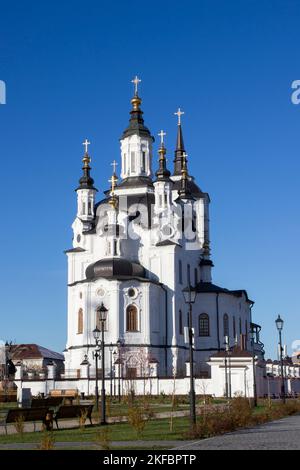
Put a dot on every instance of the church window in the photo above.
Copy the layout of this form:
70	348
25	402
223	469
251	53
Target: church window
133	162
204	324
89	208
180	323
80	322
234	327
166	199
196	276
131	318
115	244
188	274
240	325
143	161
180	271
226	324
83	208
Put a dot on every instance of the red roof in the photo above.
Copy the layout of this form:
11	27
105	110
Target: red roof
33	351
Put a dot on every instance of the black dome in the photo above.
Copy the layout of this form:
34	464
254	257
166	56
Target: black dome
114	267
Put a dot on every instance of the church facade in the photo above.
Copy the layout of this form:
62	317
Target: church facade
134	251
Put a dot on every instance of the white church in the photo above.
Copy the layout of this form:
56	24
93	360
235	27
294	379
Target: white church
134	251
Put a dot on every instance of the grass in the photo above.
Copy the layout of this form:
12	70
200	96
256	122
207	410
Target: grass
154	430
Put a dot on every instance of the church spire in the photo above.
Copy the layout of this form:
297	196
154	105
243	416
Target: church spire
178	161
162	173
136	122
184	191
86	181
113	201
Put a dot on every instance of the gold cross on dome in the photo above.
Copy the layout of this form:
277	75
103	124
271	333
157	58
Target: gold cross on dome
161	135
86	144
136	82
179	113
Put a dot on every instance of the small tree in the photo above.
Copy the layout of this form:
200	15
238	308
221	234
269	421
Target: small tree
103	438
47	441
137	420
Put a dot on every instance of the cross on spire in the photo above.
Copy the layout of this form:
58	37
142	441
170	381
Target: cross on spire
179	113
114	165
86	144
136	82
161	135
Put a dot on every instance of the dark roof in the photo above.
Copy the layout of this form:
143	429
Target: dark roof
209	287
136	122
135	182
33	351
206	262
167	242
75	250
234	352
191	186
114	267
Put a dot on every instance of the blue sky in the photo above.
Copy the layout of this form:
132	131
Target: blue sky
229	65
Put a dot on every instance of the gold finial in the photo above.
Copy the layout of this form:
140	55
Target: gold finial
179	113
86	159
136	100
113	200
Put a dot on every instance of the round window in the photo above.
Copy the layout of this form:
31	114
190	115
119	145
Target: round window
131	292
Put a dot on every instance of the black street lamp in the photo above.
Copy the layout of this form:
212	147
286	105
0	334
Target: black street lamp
226	342
252	336
190	296
119	345
102	311
96	355
111	369
279	325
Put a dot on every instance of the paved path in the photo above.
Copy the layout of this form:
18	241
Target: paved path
283	434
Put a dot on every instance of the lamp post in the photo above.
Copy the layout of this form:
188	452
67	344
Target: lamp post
119	345
226	342
279	325
102	310
96	355
190	297
252	336
111	369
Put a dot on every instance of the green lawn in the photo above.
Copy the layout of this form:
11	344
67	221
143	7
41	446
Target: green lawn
154	430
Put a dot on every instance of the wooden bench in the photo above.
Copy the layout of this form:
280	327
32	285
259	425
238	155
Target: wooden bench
73	411
49	402
69	394
29	415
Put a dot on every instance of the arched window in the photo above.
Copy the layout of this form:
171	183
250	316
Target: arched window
203	324
80	322
188	274
226	324
180	323
131	318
